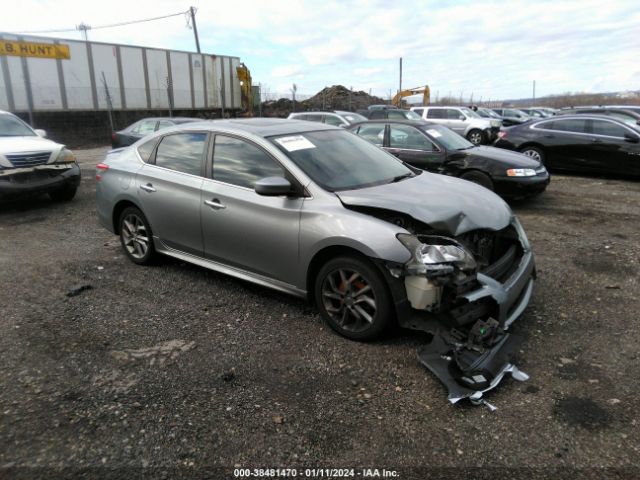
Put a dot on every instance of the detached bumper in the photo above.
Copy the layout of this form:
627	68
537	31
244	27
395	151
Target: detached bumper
15	182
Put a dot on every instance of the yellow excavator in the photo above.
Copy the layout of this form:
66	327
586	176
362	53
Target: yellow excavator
245	88
424	90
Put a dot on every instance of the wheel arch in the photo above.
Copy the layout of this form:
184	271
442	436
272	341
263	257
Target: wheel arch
118	208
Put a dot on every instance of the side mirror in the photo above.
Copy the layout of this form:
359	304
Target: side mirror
344	125
462	117
273	186
630	137
41	133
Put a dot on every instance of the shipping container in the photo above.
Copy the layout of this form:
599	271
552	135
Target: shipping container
42	74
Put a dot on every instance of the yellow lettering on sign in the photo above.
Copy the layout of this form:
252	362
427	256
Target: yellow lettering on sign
37	50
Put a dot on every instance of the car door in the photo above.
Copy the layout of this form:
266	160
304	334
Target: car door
566	143
241	228
610	151
456	120
410	145
169	190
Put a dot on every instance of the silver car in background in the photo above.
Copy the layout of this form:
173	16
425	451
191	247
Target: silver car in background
464	121
315	211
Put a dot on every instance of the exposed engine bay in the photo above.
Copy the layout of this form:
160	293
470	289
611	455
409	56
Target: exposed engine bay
465	291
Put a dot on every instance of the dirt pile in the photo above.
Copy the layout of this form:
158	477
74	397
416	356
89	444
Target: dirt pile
336	97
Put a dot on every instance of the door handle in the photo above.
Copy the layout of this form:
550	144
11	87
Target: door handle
215	204
596	140
148	188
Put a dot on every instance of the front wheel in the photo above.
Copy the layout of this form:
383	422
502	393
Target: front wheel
479	178
476	137
136	237
353	298
533	152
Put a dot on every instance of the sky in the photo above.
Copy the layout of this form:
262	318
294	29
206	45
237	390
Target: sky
489	49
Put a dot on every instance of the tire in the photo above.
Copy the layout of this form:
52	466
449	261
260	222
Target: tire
347	309
535	153
475	136
63	194
478	177
136	237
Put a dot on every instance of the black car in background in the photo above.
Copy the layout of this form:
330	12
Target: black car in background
512	116
585	143
625	115
439	149
144	127
391	114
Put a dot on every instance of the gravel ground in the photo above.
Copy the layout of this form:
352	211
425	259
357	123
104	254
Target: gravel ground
175	371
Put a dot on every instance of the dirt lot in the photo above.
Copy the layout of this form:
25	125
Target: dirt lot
176	371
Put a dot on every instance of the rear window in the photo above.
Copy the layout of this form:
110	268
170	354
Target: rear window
182	152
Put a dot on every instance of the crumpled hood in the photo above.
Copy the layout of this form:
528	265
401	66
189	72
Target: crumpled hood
445	203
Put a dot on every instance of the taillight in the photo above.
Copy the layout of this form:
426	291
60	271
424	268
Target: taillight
100	169
113	136
502	134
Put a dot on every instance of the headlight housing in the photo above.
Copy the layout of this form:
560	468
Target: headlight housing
438	256
521	172
65	156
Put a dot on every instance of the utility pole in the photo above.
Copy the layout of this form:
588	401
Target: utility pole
350	90
534	93
192	11
294	89
400	86
83	27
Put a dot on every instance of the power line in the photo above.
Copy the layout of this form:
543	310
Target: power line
120	24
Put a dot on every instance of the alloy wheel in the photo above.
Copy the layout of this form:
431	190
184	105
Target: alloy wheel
348	298
475	138
534	154
134	236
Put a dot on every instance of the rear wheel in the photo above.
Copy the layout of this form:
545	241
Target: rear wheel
63	194
136	237
476	137
353	298
479	178
535	153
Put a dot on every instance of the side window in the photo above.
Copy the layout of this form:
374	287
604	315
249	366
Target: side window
240	163
299	116
146	149
377	114
182	152
436	113
453	114
406	137
396	115
610	129
146	127
333	120
418	111
373	133
570	125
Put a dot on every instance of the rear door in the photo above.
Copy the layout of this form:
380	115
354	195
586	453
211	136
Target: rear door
241	228
566	143
412	146
169	190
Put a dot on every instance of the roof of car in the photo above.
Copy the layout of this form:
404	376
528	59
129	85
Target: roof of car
415	123
265	127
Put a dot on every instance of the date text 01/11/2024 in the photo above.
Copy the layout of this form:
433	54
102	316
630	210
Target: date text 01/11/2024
315	473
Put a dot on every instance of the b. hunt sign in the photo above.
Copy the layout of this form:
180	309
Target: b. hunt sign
31	49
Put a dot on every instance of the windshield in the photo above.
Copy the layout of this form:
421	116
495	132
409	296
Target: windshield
446	137
469	113
11	126
355	117
339	160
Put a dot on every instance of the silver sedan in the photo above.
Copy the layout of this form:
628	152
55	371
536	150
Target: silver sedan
318	212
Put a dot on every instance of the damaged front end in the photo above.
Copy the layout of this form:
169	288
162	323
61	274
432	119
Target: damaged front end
465	291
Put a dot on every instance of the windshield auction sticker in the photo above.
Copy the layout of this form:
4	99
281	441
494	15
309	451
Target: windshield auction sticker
296	142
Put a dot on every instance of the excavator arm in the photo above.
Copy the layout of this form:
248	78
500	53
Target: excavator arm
424	90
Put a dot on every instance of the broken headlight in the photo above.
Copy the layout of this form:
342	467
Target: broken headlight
521	172
435	255
65	156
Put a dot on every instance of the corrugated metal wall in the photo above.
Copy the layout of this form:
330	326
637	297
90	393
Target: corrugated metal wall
134	77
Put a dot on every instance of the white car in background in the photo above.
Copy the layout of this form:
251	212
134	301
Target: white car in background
462	120
31	164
